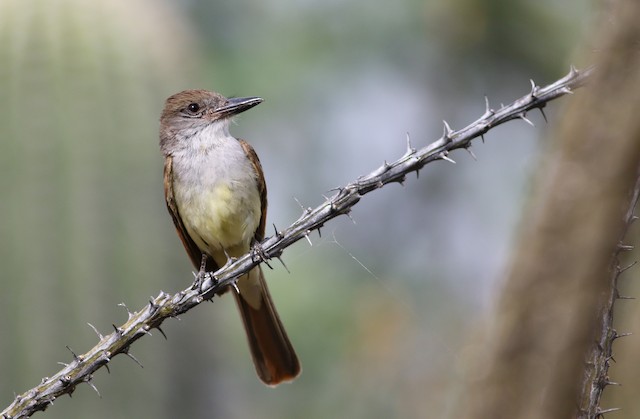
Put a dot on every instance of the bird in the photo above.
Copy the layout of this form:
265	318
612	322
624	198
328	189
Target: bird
216	194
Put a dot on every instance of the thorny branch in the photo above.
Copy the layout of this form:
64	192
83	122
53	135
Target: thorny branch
81	368
600	356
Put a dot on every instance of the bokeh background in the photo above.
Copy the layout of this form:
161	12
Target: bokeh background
381	309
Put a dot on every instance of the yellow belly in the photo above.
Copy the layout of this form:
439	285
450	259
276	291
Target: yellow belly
220	218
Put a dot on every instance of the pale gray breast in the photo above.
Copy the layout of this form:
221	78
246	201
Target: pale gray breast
216	191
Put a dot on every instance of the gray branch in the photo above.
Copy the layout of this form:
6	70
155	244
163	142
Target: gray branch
81	368
598	360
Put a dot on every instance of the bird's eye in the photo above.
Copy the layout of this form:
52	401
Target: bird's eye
193	107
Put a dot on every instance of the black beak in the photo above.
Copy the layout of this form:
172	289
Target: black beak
236	105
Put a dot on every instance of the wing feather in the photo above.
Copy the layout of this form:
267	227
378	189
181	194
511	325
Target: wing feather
262	188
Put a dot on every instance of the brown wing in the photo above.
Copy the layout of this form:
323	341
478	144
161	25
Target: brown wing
273	355
262	187
191	247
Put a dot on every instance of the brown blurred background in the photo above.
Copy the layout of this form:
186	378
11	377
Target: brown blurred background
381	311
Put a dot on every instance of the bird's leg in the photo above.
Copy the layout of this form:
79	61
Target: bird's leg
202	273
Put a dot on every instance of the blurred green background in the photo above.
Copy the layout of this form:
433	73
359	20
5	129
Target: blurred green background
382	310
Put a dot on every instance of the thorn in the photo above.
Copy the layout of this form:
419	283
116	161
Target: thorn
601	412
417	173
257	253
573	71
277	233
524	118
534	89
482	138
487	108
133	357
625	247
446	134
78	358
628	267
104	358
234	284
162	331
90	383
299	203
230	259
117	329
621	335
544	116
625	297
319	232
566	90
410	149
96	330
611	383
64	364
444	156
285	266
129	313
144	329
152	305
468	148
306	236
348	213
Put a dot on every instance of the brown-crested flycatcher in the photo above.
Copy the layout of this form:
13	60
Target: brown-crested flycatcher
216	194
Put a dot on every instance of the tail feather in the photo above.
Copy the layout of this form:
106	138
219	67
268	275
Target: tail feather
273	355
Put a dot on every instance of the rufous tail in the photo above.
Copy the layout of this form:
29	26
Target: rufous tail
274	357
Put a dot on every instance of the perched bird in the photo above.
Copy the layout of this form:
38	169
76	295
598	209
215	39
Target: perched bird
216	194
